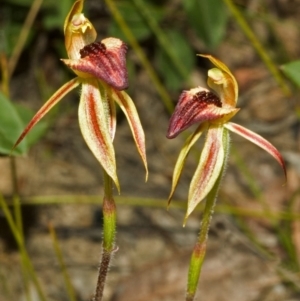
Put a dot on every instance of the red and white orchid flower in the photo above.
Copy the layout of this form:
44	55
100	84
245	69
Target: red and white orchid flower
212	112
101	70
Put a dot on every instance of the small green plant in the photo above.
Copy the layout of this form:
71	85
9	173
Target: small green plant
212	112
101	71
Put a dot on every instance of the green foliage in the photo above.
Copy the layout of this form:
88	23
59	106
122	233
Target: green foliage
11	125
56	14
13	120
208	18
14	12
135	21
173	54
292	71
183	53
8	37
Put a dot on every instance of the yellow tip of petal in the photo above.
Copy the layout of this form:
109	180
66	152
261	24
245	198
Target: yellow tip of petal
147	174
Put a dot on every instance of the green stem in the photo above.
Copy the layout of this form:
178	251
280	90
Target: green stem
16	197
109	235
63	267
200	246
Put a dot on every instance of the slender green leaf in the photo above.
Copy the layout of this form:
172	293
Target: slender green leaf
135	21
11	125
209	18
184	54
9	36
57	13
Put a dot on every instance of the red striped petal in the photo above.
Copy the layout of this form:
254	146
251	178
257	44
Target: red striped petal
209	168
94	125
127	106
258	140
49	104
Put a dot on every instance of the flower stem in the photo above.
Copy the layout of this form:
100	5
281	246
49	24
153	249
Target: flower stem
109	234
200	246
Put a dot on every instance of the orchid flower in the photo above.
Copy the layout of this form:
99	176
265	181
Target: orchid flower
101	70
212	111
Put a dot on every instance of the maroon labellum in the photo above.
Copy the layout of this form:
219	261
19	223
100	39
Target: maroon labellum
193	106
105	60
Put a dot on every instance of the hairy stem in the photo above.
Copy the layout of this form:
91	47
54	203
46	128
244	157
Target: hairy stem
109	234
199	251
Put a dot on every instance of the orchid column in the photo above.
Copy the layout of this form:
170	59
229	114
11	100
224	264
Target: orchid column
101	71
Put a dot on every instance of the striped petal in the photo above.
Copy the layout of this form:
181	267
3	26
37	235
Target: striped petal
127	106
49	104
105	60
197	106
94	125
190	141
258	140
222	81
209	168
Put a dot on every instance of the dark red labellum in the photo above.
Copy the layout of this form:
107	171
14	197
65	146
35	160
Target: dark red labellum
192	108
107	61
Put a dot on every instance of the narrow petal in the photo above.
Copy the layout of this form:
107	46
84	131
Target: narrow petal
129	109
95	128
197	106
113	117
209	168
105	60
258	140
49	104
190	141
222	81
